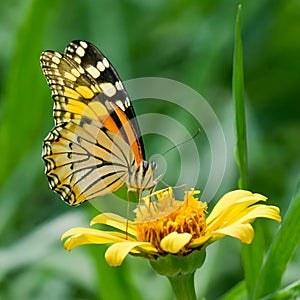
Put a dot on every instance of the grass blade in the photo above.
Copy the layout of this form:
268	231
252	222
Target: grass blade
238	292
250	253
23	108
238	97
252	257
282	249
291	292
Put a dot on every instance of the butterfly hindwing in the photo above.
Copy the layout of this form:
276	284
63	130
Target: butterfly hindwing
84	160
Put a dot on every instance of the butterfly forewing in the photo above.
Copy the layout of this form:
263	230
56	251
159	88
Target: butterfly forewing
81	76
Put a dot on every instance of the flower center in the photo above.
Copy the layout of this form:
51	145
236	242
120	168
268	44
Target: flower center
156	219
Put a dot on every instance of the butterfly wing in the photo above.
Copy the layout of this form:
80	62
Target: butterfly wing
88	97
85	160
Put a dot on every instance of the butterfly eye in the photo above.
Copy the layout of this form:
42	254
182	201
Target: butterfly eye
145	165
153	165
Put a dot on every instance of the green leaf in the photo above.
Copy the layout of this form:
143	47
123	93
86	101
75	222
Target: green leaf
238	292
23	107
291	292
281	250
251	253
113	283
238	97
18	188
252	256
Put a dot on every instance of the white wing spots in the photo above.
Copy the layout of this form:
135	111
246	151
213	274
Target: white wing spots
93	71
105	62
56	59
54	66
80	51
100	66
77	59
55	54
127	102
119	85
94	89
108	89
58	81
70	76
83	44
80	69
120	104
75	72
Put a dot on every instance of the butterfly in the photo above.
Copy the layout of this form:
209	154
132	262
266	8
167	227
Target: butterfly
96	145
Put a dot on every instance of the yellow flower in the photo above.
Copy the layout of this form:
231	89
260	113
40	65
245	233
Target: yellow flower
169	226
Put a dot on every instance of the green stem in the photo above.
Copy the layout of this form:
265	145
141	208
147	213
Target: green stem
183	286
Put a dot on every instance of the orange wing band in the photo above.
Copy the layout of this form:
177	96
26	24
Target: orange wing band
110	124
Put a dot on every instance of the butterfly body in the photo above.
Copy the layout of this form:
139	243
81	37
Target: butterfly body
96	145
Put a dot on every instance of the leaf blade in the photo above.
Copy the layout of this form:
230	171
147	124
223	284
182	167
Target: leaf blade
281	250
239	101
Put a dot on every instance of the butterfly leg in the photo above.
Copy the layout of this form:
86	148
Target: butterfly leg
128	210
130	190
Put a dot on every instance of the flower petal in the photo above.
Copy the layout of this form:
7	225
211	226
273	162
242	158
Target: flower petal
82	236
116	253
175	241
235	206
115	221
202	240
237	196
243	232
261	211
239	227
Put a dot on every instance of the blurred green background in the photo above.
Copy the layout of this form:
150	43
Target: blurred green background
188	41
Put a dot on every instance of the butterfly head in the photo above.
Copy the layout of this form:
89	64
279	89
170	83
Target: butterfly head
145	165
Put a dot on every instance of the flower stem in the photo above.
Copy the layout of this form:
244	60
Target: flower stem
183	286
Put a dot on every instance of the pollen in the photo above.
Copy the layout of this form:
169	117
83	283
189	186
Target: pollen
157	219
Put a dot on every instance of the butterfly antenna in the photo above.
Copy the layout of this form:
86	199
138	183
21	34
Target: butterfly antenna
186	141
164	153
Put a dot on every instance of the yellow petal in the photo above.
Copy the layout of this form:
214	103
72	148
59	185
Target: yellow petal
115	221
231	207
239	227
175	241
91	231
237	196
116	253
200	241
261	211
243	232
82	236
